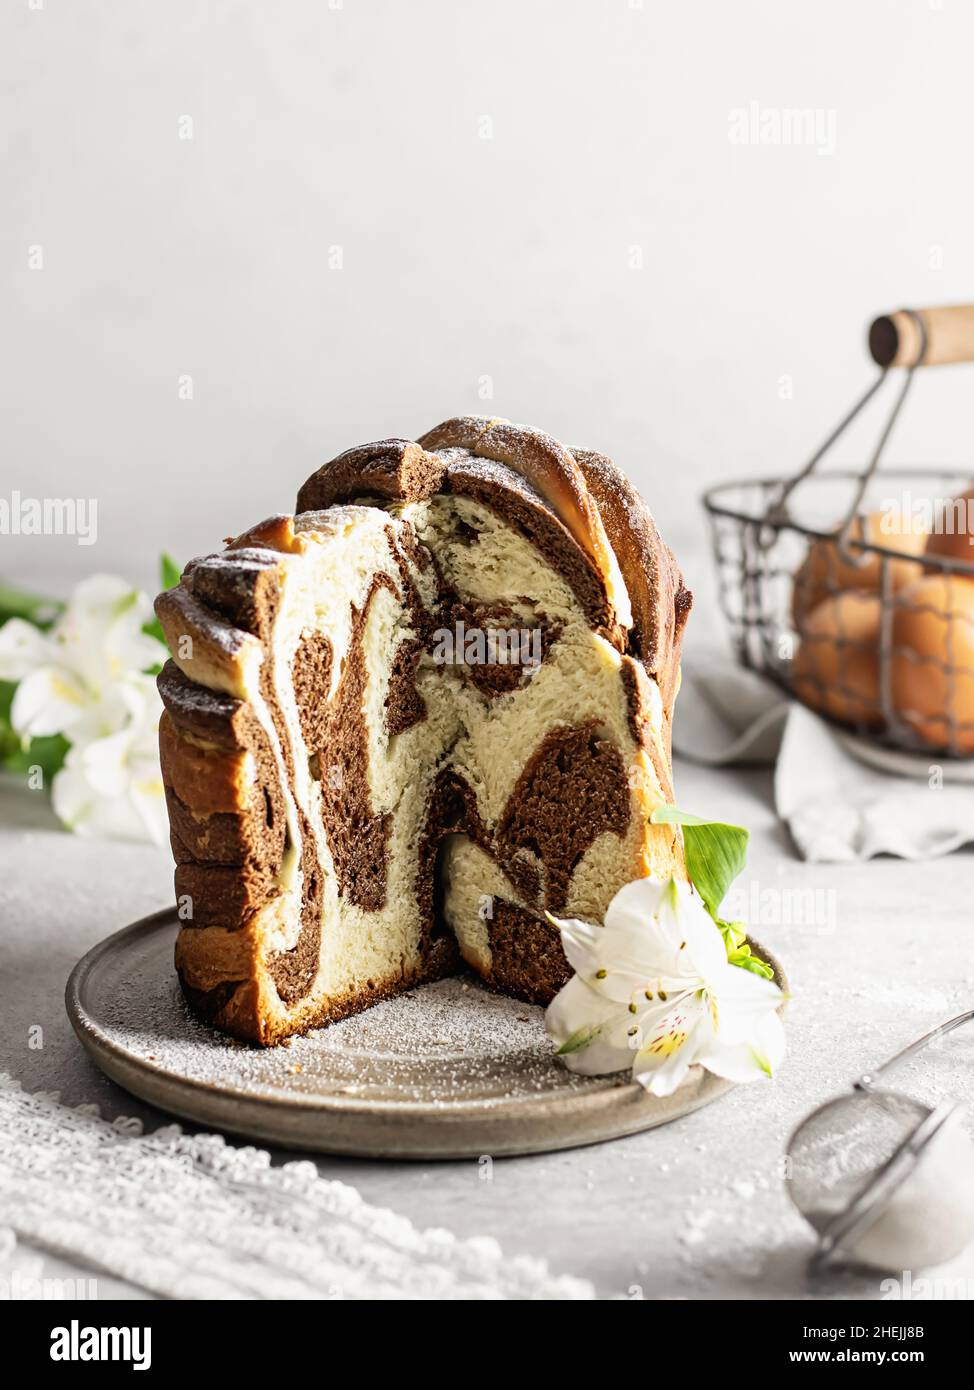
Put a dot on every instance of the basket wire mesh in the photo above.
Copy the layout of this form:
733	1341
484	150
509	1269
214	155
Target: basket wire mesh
786	568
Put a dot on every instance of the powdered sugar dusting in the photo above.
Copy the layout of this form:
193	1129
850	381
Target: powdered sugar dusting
437	1045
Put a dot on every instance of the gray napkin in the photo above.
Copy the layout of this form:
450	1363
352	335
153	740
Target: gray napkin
837	807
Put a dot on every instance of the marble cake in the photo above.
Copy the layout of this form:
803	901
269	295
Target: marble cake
405	722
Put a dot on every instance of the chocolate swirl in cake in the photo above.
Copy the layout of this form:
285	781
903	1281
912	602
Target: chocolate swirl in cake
350	812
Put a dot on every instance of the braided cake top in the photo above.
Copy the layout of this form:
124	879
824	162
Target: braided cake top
610	549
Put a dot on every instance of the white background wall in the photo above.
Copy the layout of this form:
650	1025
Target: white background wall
361	126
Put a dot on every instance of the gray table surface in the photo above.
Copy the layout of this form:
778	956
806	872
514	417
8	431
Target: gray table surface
694	1210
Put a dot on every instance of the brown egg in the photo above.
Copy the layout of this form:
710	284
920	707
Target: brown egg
824	572
953	533
836	667
933	661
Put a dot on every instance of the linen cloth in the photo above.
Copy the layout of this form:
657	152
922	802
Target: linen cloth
192	1216
836	806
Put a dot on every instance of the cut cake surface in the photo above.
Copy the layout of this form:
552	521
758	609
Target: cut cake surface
404	723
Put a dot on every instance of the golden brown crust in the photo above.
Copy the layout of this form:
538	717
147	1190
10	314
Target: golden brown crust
207	780
207	715
660	600
587	493
220	972
273	533
209	652
239	587
238	1006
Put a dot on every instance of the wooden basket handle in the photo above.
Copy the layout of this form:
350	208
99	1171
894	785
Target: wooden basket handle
896	340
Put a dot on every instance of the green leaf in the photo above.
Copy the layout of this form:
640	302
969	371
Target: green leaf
15	603
169	571
579	1039
153	628
7	691
734	934
16	755
47	753
749	962
9	744
715	853
169	576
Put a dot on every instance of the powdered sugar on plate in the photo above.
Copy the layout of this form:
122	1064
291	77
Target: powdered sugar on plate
437	1044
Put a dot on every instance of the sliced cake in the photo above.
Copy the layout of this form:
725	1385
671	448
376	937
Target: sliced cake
405	722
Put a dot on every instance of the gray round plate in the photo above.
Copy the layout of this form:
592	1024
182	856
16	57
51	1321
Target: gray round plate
904	764
448	1070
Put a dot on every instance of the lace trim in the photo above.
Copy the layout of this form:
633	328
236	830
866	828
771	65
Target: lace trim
191	1216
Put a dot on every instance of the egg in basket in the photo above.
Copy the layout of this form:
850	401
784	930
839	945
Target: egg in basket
855	590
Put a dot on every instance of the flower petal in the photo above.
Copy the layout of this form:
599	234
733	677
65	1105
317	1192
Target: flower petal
635	903
592	1032
759	1055
684	937
703	942
580	942
71	795
671	1045
104	764
99	635
48	701
743	999
610	965
645	941
111	784
148	796
23	648
88	812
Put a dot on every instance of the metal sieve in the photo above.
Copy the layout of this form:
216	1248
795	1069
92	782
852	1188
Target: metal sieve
850	1158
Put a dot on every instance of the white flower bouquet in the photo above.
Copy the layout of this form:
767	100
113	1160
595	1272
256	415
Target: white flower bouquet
79	709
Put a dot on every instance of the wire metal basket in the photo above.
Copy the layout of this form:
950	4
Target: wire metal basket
868	619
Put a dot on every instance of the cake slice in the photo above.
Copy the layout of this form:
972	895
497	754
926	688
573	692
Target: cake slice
404	723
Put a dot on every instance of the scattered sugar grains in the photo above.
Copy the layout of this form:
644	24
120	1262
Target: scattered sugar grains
437	1044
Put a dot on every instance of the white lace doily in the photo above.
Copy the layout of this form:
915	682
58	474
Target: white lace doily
191	1216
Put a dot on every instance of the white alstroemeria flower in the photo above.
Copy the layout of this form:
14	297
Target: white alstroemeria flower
66	673
111	784
653	990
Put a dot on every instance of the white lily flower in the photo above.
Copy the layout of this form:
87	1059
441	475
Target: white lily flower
85	678
111	785
653	991
66	673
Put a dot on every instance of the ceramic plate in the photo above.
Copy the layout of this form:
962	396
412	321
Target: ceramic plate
448	1070
901	763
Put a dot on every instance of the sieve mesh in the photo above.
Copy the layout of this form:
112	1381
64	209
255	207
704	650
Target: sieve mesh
840	1148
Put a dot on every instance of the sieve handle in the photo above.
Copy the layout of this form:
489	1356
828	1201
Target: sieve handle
897	340
865	1082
